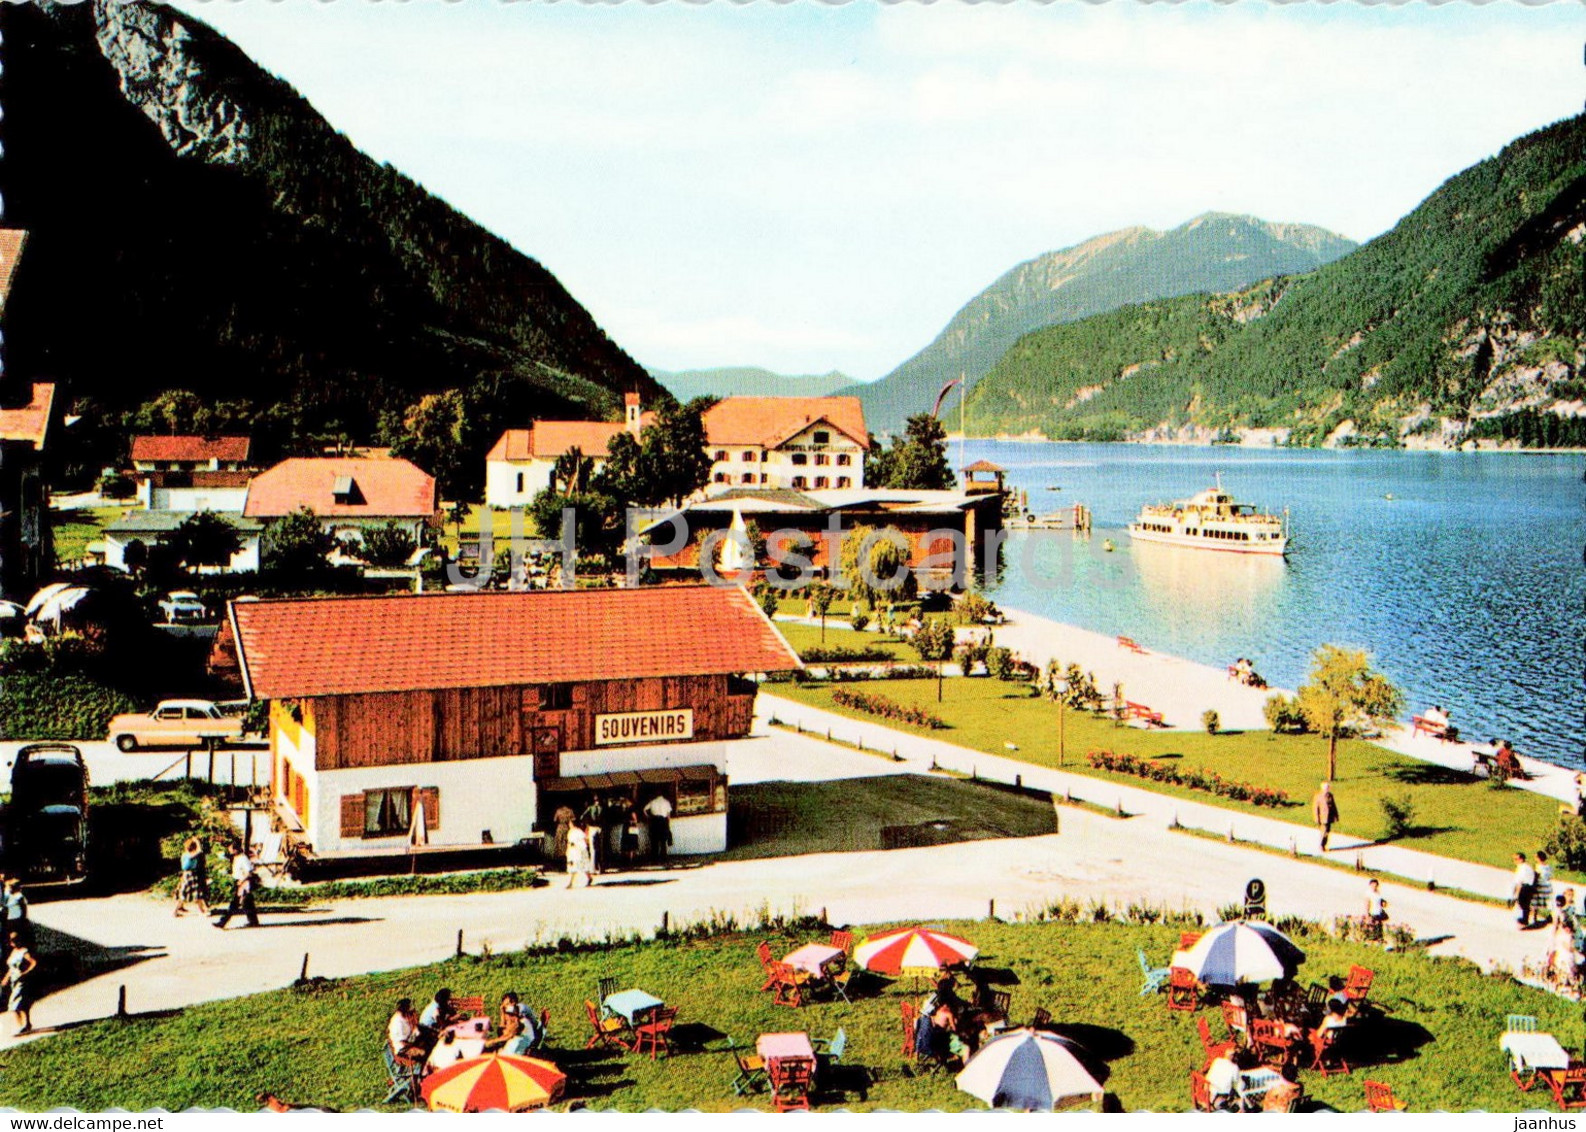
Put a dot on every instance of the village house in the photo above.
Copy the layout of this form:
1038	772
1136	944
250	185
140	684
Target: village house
463	720
520	465
800	443
129	538
26	545
191	473
347	493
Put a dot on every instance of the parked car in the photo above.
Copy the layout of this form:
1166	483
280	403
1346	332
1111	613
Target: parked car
47	817
183	607
176	723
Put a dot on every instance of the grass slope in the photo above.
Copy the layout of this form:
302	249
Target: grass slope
321	1045
1456	815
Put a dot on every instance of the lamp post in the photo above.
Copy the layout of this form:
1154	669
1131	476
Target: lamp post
1059	684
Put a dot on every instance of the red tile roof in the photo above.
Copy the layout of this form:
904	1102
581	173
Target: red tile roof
410	642
31	422
191	448
768	421
546	440
11	241
387	488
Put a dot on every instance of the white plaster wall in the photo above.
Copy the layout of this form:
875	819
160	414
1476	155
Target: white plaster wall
605	760
222	500
501	481
475	795
245	560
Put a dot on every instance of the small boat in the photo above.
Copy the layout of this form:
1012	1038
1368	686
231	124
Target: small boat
1212	520
1030	521
1388	496
1106	544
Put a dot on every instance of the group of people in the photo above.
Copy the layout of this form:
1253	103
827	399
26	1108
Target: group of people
585	840
411	1036
1284	1005
1245	673
949	1028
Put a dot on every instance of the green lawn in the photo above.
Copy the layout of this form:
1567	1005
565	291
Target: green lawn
74	530
840	635
500	527
1456	815
1437	1045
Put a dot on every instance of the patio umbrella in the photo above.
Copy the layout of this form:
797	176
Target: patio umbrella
1032	1070
1243	951
890	952
496	1081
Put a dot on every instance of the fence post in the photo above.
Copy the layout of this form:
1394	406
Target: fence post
666	922
302	975
459	943
1018	781
991	909
121	1001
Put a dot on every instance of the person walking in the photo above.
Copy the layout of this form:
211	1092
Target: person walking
563	819
580	856
658	812
20	963
243	878
1324	810
1542	895
1524	887
1376	907
590	821
15	906
191	884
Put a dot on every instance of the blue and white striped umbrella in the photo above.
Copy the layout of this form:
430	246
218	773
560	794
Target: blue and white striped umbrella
1243	951
1029	1070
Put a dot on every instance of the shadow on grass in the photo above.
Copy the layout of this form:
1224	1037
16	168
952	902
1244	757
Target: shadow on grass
1099	1045
1386	1041
592	1073
1429	774
1411	834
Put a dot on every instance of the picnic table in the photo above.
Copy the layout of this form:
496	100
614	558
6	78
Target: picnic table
814	958
784	1047
467	1041
1532	1052
631	1005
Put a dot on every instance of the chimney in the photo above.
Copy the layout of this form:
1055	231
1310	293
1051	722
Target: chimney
630	403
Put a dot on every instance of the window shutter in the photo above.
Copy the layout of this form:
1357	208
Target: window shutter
352	815
430	796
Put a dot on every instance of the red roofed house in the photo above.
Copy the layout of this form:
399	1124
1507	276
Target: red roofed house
519	466
462	720
191	473
348	493
26	547
802	443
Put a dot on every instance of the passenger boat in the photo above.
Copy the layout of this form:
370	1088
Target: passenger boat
1213	521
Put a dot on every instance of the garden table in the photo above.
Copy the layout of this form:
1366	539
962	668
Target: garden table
813	958
1254	1084
1531	1051
775	1047
468	1040
631	1005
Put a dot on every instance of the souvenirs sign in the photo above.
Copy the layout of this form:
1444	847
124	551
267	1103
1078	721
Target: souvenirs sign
668	726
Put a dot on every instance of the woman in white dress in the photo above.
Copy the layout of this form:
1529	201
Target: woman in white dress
580	854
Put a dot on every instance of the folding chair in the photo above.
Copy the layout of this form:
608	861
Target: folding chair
1325	1055
404	1073
1520	1023
843	941
605	1031
831	1050
1200	1092
1380	1098
656	1031
1155	977
751	1069
1569	1087
787	985
791	1078
1183	989
1213	1049
1187	940
1358	985
767	964
608	987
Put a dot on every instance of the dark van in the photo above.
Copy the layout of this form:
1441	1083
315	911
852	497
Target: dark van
46	823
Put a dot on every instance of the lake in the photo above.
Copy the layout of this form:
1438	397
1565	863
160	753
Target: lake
1459	572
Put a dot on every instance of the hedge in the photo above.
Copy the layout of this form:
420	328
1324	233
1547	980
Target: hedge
1193	778
68	707
886	709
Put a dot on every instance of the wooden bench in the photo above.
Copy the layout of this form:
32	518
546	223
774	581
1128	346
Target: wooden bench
1143	713
1420	725
1129	643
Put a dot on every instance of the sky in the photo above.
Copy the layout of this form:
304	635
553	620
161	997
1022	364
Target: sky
813	186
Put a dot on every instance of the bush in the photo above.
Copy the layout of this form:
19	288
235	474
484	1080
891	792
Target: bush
1211	721
999	663
974	609
845	654
886	709
971	653
34	706
1567	843
1398	815
1284	715
1192	778
860	620
114	485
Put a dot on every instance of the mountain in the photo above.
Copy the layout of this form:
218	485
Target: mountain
1466	321
729	381
195	224
1213	252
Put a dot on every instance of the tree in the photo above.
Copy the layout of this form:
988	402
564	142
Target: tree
819	596
297	544
597	521
883	573
916	461
389	544
1345	693
203	539
621	477
934	640
571	470
433	434
673	462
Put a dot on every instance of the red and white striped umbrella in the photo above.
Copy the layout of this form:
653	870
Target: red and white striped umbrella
916	947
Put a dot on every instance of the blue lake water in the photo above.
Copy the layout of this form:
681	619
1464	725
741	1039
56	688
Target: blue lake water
1466	586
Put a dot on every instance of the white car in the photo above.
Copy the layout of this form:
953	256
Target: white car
176	723
183	607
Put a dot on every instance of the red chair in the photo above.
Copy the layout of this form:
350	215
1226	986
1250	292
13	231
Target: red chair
1271	1041
1237	1020
1568	1085
1200	1091
767	963
1358	985
606	1031
1214	1050
1187	940
791	1078
1325	1055
1183	989
843	941
787	984
655	1031
1380	1098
